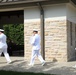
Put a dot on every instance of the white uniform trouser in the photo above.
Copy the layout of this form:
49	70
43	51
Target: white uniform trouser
34	54
4	50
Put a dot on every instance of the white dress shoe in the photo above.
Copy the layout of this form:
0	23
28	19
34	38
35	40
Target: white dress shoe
31	64
74	66
9	62
43	63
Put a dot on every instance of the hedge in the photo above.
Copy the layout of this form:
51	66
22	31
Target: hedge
15	32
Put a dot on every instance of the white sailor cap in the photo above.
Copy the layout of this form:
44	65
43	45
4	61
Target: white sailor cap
1	30
35	30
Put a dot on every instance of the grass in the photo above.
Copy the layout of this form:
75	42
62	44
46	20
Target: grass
20	73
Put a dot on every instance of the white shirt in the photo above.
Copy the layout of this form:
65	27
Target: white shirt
3	43
35	41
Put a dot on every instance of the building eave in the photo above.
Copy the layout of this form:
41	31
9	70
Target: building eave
22	1
74	1
31	1
10	2
21	4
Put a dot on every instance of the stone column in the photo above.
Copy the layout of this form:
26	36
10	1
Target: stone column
56	39
31	21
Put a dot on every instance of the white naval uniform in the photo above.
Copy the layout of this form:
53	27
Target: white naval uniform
3	47
35	41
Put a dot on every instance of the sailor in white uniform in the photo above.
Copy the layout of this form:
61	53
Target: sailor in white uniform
35	42
3	46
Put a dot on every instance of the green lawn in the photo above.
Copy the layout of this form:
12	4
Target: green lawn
20	73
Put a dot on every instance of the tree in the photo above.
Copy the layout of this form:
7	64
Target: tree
15	32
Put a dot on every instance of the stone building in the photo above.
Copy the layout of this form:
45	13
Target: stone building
55	20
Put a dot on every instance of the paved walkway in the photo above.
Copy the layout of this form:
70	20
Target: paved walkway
18	64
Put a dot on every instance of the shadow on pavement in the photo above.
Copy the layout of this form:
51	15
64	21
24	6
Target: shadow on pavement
49	68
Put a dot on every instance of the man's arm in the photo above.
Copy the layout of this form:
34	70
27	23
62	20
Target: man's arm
1	37
33	40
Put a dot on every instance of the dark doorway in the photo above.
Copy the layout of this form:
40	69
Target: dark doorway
12	23
12	17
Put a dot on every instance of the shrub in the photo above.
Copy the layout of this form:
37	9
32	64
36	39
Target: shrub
15	32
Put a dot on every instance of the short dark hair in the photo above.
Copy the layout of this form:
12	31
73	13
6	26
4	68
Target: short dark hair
2	31
35	31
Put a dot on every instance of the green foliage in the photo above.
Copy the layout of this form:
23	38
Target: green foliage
15	32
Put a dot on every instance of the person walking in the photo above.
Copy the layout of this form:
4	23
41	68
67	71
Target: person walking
3	46
35	42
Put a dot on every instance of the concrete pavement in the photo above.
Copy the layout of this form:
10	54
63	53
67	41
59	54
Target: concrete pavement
18	64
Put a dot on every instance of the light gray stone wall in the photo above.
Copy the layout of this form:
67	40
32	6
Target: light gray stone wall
56	39
28	29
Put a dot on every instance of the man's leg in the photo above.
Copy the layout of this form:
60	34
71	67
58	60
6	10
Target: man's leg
6	55
1	51
33	57
40	57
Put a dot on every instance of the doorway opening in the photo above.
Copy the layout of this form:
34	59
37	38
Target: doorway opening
12	23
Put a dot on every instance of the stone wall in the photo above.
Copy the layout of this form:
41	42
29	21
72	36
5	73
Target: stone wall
56	31
71	26
28	29
56	39
71	40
